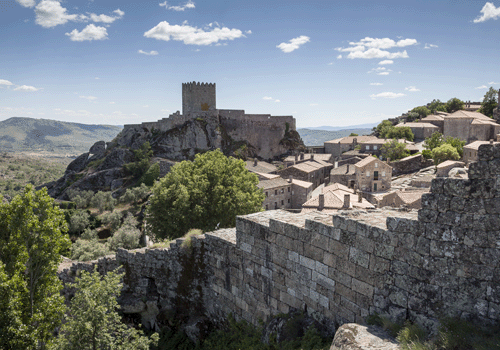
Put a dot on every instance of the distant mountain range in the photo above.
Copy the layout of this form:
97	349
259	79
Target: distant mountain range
318	137
28	134
336	128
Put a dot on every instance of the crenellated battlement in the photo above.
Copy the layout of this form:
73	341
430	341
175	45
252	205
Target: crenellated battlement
197	97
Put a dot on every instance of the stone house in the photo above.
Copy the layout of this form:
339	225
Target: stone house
259	166
373	175
304	157
420	130
470	126
335	197
344	175
471	150
434	119
316	172
374	146
285	194
338	146
398	199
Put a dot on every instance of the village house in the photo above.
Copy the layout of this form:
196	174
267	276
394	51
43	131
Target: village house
304	157
470	150
397	199
420	130
285	193
338	146
442	169
259	166
373	175
316	172
344	175
374	146
336	197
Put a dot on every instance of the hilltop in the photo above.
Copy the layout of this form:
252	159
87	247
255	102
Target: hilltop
38	135
318	137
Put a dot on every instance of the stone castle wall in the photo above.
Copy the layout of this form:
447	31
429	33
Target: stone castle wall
441	261
197	97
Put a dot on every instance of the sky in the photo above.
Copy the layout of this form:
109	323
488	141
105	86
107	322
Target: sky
334	63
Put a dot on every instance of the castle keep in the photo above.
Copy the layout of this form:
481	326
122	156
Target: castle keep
440	261
202	127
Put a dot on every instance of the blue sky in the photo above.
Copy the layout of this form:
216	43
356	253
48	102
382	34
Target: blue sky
324	62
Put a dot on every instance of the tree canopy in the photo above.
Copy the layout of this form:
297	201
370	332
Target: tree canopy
387	131
437	139
444	152
206	193
454	104
32	238
394	150
489	102
422	111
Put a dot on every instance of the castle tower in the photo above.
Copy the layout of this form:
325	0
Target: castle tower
197	97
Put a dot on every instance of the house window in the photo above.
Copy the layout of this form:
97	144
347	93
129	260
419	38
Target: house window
288	200
282	190
374	148
275	192
367	147
367	174
266	194
376	165
275	205
282	202
267	207
288	189
383	173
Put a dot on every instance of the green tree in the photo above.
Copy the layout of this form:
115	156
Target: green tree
489	102
353	134
454	104
205	193
422	111
151	175
436	105
433	141
103	201
456	143
142	157
78	221
93	321
444	152
380	129
32	238
394	150
127	236
400	132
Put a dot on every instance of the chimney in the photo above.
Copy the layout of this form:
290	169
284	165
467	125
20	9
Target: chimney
491	141
312	156
296	157
301	156
347	201
388	160
360	197
255	162
321	205
347	171
290	179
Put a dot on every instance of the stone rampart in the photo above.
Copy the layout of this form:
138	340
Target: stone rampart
441	261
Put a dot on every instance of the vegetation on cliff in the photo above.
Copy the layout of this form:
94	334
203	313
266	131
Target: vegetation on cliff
206	194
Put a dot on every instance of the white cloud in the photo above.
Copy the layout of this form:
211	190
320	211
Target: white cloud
330	64
277	101
481	87
293	44
112	103
119	12
489	11
380	71
412	89
97	78
386	62
90	98
248	32
387	95
187	5
107	19
5	82
368	48
267	98
150	53
376	84
89	33
339	57
493	83
430	46
313	104
50	13
192	35
165	110
26	3
26	88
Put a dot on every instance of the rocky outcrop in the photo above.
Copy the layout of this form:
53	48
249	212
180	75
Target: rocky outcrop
352	336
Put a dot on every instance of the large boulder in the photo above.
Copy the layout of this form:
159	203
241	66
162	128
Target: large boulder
116	158
78	164
98	148
352	336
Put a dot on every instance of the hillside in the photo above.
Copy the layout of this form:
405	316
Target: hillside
318	137
28	134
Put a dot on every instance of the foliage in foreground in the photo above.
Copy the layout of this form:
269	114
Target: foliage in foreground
242	335
32	238
394	150
453	334
94	323
205	193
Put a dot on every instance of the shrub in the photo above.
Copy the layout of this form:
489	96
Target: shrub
113	220
444	152
78	221
187	243
88	247
151	175
127	236
81	198
103	201
136	194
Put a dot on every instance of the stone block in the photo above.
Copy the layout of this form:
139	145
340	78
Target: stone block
347	238
479	170
426	215
329	259
485	152
345	292
383	251
313	252
483	188
449	218
362	287
365	244
437	185
321	268
293	256
339	249
365	275
307	262
359	257
320	241
323	301
340	277
398	297
284	241
304	273
379	264
298	246
350	305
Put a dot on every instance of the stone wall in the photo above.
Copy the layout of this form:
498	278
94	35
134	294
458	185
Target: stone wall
441	261
197	97
410	164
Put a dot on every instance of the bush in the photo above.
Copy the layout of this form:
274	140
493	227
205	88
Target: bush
103	201
81	198
427	154
113	220
444	152
88	247
78	221
127	236
135	195
151	175
187	243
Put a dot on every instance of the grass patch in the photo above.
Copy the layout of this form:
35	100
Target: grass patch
187	243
